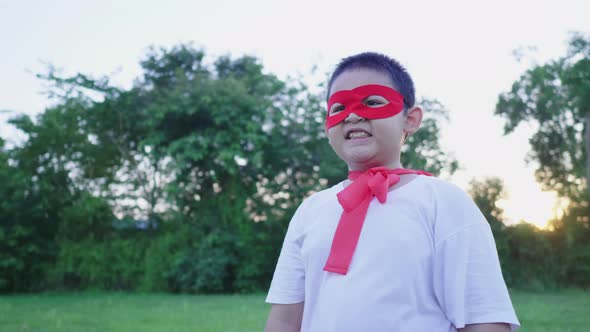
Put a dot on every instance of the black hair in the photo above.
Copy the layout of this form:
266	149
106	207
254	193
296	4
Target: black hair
400	78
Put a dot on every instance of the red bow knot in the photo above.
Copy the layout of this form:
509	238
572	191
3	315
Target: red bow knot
355	200
380	182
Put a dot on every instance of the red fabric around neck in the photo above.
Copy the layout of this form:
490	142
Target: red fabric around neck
355	200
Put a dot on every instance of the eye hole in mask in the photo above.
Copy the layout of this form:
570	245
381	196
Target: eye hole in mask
373	101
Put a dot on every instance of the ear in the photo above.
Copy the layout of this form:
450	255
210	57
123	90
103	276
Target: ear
413	120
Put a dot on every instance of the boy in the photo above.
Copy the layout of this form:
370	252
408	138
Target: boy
419	258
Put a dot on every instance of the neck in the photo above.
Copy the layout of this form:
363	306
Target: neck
365	167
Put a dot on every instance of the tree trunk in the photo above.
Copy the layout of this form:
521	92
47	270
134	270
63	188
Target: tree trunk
587	144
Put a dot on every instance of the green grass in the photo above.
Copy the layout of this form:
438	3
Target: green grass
563	311
122	312
559	311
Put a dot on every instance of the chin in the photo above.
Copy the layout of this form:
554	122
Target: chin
360	161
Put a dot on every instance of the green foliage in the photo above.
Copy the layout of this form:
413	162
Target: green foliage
162	254
258	250
556	97
28	224
528	244
569	237
422	150
91	253
217	155
486	194
214	155
206	268
114	264
537	258
87	218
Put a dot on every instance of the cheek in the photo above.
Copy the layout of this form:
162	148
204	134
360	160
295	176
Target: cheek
387	125
388	130
332	133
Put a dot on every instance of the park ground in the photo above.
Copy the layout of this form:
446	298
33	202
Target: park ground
549	311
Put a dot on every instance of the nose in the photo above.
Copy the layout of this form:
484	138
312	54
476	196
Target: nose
353	118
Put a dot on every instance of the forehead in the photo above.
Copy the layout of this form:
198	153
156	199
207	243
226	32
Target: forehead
354	78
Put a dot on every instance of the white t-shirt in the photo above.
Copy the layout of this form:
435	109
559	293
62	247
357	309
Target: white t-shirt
426	260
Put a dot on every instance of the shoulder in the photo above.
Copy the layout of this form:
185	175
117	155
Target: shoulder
452	208
307	211
318	199
316	202
442	191
437	192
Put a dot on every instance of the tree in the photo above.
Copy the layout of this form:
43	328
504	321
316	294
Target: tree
556	97
422	150
486	194
216	154
28	225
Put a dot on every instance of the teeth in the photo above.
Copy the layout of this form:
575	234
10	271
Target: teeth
358	134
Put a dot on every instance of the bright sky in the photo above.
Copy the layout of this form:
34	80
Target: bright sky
459	52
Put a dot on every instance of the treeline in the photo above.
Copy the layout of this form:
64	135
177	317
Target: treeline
186	182
555	98
534	258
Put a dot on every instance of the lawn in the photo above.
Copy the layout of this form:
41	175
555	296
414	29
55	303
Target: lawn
564	311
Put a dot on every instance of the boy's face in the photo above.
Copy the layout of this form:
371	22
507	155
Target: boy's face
364	143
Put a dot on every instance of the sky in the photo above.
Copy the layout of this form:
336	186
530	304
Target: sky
461	53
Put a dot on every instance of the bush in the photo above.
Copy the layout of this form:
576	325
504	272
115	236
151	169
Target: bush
112	264
532	262
259	248
28	225
163	251
208	267
87	218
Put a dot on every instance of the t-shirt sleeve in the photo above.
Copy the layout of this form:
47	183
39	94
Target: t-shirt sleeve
288	282
468	280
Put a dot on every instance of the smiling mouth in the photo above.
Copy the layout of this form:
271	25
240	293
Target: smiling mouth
357	135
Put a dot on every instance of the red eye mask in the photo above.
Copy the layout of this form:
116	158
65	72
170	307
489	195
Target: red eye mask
352	100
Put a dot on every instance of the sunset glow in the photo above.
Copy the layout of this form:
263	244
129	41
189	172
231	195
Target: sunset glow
538	210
